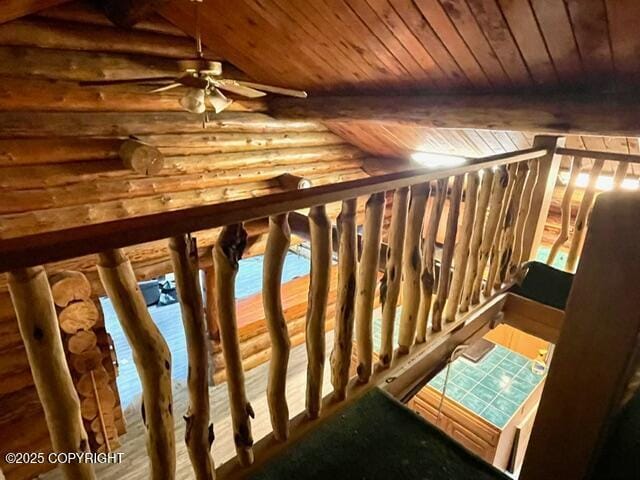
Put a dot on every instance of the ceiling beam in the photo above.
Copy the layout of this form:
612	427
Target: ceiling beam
12	9
126	13
557	114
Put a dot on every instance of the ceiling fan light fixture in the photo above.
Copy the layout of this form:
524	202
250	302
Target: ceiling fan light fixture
194	101
218	100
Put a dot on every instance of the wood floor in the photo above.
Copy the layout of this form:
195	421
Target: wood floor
135	460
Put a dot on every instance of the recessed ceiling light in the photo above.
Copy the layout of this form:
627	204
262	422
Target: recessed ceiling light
436	160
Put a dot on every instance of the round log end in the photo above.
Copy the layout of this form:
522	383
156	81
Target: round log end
80	315
289	181
68	286
82	341
141	157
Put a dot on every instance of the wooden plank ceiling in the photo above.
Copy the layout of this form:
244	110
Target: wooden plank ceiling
328	45
395	46
387	46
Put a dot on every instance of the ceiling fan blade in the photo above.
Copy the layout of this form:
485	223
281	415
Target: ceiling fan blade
95	83
171	86
218	101
271	89
234	87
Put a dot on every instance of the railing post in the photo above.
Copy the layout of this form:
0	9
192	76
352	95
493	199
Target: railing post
509	220
38	323
490	232
461	256
523	213
345	303
548	168
428	274
366	283
151	356
565	210
476	239
320	229
226	255
199	432
582	217
274	256
584	390
412	267
503	230
211	316
390	285
447	253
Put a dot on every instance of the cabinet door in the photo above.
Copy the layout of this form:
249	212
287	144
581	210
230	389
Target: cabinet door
471	441
459	424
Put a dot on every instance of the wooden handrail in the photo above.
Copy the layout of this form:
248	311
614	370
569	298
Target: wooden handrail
57	245
596	155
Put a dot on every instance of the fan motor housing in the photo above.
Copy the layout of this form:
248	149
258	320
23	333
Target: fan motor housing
201	65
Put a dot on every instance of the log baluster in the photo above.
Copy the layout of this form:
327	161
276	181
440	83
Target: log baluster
494	256
199	431
498	190
523	215
427	276
38	325
503	258
620	174
412	267
366	283
151	356
390	285
447	253
548	170
580	225
476	239
320	232
346	299
275	253
565	210
226	255
211	316
461	255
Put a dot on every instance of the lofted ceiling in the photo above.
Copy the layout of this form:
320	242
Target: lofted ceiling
397	46
360	46
382	45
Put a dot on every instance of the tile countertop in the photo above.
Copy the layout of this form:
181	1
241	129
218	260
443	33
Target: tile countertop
494	388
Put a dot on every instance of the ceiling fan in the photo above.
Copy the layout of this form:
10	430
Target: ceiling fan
204	82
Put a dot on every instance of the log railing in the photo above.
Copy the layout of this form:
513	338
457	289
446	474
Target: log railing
574	225
499	209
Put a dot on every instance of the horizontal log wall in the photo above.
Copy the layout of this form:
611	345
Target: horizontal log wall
59	141
60	166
